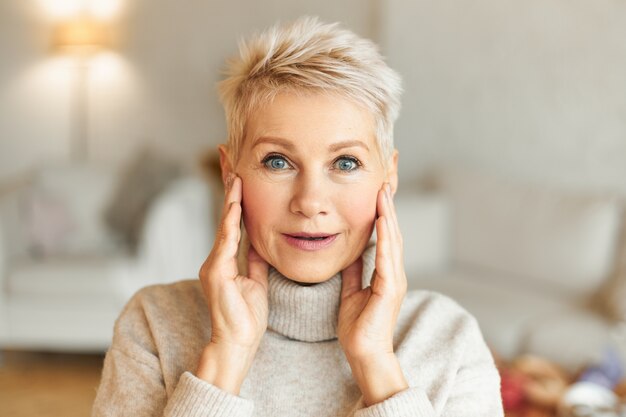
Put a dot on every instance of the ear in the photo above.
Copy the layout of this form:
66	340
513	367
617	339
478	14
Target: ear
392	172
225	162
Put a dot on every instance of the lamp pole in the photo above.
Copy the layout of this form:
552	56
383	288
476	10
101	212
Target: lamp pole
80	112
81	37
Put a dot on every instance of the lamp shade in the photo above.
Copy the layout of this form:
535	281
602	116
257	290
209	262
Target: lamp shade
81	34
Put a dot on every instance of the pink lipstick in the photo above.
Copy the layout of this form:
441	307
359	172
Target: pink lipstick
310	241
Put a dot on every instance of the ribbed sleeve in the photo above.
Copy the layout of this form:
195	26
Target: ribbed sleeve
194	397
411	402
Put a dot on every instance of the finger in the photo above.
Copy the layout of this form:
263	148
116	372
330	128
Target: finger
391	261
257	267
382	202
382	206
384	252
379	202
234	194
396	256
393	215
388	212
351	281
233	191
233	197
229	230
229	233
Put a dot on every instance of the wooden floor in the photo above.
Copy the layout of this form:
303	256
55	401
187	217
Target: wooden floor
48	384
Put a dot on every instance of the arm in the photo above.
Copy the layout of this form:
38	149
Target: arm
476	389
474	392
132	380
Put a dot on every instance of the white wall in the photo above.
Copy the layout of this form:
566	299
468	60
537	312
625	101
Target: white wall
32	94
534	89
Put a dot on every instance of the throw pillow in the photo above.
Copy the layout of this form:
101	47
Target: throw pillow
48	223
62	210
142	180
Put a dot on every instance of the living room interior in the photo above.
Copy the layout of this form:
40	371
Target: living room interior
512	196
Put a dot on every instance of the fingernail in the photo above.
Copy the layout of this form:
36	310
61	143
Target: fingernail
388	189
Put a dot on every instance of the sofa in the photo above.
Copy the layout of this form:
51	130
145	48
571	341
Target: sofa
529	261
65	275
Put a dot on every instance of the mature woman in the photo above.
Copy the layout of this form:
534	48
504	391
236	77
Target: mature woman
302	312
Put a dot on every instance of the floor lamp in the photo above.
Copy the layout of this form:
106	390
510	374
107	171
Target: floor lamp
81	38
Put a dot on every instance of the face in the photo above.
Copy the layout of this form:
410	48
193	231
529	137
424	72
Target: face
311	170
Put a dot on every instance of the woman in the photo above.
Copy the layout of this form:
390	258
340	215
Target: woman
302	312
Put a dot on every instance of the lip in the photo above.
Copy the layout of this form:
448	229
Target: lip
297	240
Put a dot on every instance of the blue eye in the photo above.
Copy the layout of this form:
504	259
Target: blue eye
347	164
276	162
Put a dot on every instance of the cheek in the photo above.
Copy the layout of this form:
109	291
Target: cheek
260	202
358	206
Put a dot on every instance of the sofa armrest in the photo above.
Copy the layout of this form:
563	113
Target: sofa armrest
178	232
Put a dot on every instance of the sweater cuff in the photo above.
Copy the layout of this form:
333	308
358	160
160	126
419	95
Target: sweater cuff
412	402
194	397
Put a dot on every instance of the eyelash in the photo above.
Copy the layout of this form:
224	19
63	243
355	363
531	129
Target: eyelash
266	161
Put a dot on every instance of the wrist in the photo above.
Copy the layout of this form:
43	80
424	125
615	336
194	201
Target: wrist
226	367
378	377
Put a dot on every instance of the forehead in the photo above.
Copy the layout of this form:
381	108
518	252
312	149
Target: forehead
312	120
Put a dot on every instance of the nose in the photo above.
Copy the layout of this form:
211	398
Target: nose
310	196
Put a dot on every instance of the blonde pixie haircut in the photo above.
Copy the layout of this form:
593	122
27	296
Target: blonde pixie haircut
309	56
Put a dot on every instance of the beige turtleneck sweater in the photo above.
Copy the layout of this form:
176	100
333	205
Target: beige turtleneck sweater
299	368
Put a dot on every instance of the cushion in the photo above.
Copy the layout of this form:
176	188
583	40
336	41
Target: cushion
48	222
142	180
63	210
547	237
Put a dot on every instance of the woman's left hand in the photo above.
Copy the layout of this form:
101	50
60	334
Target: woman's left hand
367	316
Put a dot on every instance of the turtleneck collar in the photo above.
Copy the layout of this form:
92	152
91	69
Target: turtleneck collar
308	313
305	313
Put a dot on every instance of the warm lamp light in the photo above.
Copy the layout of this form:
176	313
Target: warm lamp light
58	10
83	34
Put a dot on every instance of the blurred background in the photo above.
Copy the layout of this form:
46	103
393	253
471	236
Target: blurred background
512	143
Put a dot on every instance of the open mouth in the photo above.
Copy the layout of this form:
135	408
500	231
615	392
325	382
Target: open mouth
309	241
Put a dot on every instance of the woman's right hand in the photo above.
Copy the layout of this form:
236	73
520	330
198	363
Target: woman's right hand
238	305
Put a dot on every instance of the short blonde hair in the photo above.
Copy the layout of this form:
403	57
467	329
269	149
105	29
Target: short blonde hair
308	55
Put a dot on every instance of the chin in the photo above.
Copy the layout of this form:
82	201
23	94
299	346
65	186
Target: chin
306	273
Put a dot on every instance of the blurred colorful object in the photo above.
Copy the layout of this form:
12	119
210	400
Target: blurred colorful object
512	387
592	395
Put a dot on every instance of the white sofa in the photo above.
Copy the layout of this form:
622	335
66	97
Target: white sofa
67	297
525	259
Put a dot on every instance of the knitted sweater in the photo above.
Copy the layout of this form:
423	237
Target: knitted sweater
299	368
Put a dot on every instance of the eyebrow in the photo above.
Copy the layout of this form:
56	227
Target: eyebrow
288	145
